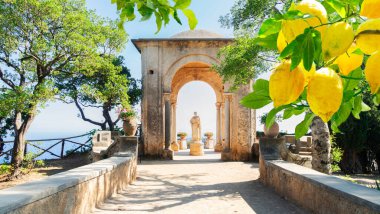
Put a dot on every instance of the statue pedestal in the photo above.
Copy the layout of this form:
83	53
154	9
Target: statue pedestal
196	149
175	146
218	147
209	144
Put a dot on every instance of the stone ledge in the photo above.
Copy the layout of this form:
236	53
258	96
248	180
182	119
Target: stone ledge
317	190
24	194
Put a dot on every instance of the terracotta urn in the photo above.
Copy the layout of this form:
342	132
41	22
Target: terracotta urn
273	131
130	126
182	137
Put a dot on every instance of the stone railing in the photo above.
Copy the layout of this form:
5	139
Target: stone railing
315	191
75	191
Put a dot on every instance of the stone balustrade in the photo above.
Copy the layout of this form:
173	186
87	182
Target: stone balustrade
75	191
315	191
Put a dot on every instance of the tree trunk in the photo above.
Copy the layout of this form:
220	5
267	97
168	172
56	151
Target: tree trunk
107	117
321	146
21	127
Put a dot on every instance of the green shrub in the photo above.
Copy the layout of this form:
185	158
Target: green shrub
336	156
5	169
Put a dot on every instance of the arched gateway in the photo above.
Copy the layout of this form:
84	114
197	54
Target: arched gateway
170	63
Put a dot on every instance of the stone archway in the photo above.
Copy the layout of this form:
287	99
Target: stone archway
199	71
168	64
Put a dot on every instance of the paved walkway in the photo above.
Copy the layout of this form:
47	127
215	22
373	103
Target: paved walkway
197	185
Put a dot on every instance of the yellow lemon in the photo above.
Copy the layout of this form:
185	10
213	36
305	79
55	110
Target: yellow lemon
325	93
285	86
337	39
372	72
367	40
307	74
281	42
370	9
349	61
293	28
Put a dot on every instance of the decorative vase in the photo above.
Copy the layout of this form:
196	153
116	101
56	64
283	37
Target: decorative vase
273	131
130	126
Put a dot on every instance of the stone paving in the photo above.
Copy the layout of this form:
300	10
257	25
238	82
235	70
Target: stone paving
202	184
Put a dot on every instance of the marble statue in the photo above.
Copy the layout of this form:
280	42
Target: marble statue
196	127
196	147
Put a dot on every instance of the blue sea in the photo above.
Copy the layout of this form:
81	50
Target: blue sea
39	140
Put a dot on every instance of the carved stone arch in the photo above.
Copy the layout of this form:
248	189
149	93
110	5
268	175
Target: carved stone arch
196	71
181	62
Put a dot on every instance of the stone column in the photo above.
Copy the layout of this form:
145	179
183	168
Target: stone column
228	124
222	125
173	122
218	146
167	124
168	154
173	139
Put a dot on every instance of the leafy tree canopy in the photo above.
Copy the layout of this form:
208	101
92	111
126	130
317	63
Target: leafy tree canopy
161	9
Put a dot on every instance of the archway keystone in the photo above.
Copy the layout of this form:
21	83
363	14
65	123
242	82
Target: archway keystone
167	65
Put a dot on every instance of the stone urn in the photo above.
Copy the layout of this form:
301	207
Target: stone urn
273	131
130	126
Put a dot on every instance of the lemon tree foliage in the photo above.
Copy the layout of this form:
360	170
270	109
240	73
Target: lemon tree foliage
245	59
38	41
336	43
163	10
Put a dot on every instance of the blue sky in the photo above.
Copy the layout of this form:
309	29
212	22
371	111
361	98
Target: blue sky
61	119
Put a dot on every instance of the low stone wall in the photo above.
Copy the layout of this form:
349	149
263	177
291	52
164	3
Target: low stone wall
318	192
75	191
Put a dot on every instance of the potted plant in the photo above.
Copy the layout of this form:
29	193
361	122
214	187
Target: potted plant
208	135
272	131
182	135
129	121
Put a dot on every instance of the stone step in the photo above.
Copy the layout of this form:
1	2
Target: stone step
305	149
305	153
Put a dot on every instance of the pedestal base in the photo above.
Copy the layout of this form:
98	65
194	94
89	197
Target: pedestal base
196	149
175	146
218	147
167	154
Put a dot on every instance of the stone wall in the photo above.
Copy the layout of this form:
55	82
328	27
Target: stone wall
318	192
75	191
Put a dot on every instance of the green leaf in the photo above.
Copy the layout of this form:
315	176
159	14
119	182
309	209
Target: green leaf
308	50
261	84
128	12
376	99
271	117
269	42
259	97
357	107
158	21
255	100
297	53
288	50
365	107
350	84
292	14
182	4
338	6
176	17
270	26
303	127
342	114
164	2
191	18
289	112
150	4
145	12
317	46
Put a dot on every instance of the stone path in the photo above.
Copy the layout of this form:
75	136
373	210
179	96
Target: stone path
197	185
